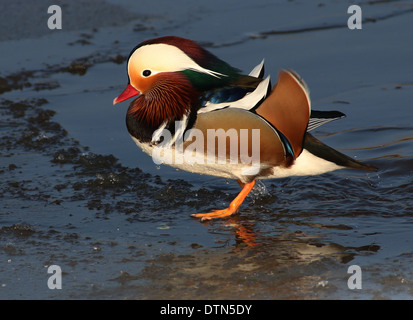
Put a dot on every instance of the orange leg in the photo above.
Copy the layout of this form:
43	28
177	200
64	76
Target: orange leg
233	207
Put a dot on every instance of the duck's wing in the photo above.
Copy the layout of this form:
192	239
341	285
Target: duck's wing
247	92
288	109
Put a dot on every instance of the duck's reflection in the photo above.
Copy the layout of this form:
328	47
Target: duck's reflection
244	232
305	247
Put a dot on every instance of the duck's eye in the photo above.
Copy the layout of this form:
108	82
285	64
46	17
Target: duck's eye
146	73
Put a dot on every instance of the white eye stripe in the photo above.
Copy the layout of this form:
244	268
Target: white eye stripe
162	57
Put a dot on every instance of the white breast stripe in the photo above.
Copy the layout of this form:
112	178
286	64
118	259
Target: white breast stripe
158	133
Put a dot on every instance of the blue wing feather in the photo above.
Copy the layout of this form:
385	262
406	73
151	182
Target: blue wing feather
226	95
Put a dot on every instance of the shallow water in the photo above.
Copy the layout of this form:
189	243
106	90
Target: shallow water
76	192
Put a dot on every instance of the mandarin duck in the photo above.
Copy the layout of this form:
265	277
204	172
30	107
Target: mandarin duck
198	113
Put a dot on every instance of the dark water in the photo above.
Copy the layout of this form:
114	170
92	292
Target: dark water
77	193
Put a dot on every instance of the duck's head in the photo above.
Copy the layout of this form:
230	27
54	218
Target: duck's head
172	62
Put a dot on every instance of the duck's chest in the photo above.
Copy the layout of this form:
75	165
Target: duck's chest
191	159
